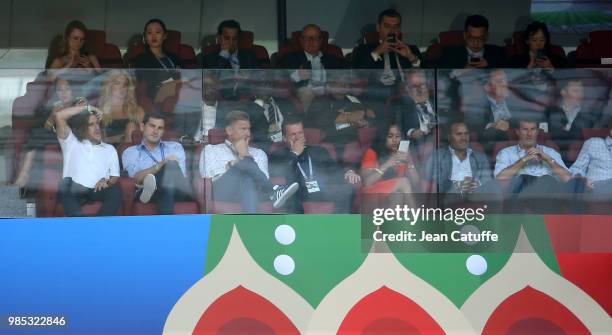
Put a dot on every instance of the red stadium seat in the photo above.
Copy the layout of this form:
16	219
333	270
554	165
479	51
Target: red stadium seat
594	132
445	39
598	46
574	151
366	136
107	54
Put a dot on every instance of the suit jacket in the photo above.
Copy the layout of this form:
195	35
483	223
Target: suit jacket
522	60
439	168
297	60
246	57
557	121
322	115
406	115
259	123
362	58
456	57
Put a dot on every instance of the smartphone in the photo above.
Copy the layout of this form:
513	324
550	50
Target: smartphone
391	38
474	60
403	147
541	54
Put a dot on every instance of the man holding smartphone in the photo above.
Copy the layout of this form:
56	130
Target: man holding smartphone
389	53
476	53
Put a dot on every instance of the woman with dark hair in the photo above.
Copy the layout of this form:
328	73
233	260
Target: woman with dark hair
71	53
385	169
158	66
537	50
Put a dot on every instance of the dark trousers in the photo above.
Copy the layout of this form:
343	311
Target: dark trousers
172	186
341	195
73	195
242	182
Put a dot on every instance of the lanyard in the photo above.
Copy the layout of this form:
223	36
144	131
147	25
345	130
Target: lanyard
161	149
163	64
309	169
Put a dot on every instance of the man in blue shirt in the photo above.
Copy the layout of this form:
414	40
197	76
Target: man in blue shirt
158	166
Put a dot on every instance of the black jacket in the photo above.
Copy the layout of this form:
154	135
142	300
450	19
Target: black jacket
362	58
522	60
151	72
456	57
557	121
246	57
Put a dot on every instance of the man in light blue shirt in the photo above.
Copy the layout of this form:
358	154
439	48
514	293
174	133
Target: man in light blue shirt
157	166
531	167
595	163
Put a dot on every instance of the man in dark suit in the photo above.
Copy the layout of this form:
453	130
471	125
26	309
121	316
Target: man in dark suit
319	176
229	56
566	120
416	114
310	65
388	53
475	53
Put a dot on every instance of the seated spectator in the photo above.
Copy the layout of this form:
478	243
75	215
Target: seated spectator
594	162
416	114
458	168
310	76
158	166
239	171
538	53
390	53
338	113
385	169
121	114
158	68
492	119
569	117
90	167
195	125
43	133
531	168
319	176
71	53
476	53
229	55
268	109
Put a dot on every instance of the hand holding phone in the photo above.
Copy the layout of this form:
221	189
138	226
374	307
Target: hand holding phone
404	146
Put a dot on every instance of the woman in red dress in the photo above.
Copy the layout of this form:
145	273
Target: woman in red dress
384	169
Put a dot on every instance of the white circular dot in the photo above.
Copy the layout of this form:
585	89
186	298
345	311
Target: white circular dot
476	265
284	234
284	265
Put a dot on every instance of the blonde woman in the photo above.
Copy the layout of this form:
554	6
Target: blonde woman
121	114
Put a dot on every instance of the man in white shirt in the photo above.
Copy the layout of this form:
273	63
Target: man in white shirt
91	167
240	172
531	167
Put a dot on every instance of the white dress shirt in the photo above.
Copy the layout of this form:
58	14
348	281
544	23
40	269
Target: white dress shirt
86	163
207	121
214	159
461	168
